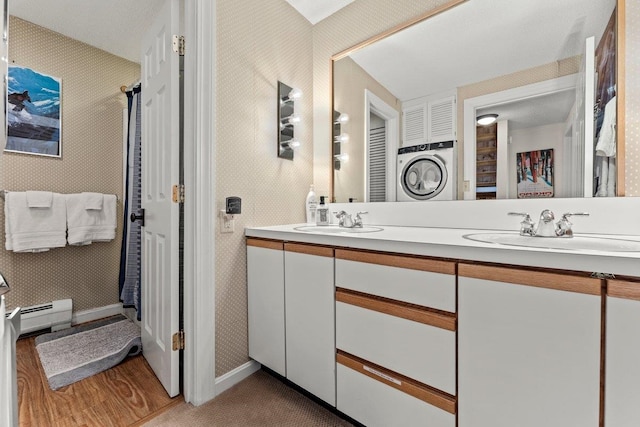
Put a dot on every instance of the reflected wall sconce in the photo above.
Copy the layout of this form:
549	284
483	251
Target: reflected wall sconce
287	119
486	119
339	138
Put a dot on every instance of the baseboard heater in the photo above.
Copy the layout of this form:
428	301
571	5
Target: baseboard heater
55	315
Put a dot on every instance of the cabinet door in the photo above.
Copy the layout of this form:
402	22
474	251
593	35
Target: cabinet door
414	129
442	119
622	371
265	295
529	348
310	319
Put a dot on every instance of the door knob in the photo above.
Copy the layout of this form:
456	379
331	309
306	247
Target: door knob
139	217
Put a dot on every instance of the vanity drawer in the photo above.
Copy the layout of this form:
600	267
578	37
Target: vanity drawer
426	282
376	397
420	345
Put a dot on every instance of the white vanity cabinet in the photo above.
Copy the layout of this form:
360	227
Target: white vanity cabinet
622	370
265	297
310	319
395	339
529	347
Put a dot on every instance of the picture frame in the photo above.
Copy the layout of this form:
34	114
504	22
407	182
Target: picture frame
33	112
535	174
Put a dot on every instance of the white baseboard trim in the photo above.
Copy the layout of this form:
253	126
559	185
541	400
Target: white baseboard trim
231	378
96	313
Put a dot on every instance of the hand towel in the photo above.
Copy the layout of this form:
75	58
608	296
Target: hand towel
85	226
606	145
93	201
39	199
34	229
603	165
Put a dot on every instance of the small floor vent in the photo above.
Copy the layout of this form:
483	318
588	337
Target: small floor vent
55	315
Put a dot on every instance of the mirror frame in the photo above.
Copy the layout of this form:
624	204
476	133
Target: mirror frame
620	82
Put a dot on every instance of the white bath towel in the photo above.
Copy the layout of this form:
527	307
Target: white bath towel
34	229
39	199
86	226
93	201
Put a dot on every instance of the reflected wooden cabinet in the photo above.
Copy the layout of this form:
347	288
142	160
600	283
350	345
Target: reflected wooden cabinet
486	161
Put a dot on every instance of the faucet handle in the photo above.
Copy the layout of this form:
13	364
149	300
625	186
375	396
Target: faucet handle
568	214
526	225
563	227
357	222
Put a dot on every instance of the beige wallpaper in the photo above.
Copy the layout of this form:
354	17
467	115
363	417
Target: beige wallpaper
259	43
91	160
632	104
350	82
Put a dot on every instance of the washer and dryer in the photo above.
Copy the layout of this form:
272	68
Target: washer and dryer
427	172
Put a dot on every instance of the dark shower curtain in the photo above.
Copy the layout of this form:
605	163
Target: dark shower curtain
129	279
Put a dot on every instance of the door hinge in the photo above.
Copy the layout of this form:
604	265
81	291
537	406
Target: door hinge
178	341
178	193
178	44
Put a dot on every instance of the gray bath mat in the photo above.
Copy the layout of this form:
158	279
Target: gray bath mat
76	353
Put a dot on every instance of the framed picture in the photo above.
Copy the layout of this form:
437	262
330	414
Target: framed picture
33	112
535	174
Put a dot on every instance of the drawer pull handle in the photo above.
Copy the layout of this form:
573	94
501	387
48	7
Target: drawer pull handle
382	375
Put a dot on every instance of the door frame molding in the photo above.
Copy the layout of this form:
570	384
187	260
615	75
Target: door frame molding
200	196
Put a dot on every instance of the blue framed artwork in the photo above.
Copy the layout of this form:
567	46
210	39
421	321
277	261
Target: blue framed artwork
33	112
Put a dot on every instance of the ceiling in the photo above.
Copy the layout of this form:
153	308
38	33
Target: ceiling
542	110
316	10
479	40
116	26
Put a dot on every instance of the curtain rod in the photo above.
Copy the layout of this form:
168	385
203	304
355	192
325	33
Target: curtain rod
125	89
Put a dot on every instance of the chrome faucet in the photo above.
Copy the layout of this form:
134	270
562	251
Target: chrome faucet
345	220
545	226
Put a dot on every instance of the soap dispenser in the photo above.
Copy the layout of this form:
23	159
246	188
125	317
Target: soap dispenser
322	213
311	205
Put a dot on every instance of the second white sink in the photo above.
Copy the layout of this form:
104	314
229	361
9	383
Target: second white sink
576	243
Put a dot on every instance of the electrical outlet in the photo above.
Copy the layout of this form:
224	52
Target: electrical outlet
466	186
227	222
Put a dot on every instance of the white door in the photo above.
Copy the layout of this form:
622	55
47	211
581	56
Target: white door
160	171
585	92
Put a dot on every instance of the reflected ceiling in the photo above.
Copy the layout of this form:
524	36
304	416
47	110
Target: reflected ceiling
491	42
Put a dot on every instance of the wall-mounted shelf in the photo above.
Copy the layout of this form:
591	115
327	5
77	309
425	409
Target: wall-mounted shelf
486	163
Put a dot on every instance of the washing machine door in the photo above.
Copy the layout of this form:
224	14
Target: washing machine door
423	177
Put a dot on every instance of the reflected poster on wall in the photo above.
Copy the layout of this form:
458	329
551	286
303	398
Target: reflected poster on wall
535	174
33	112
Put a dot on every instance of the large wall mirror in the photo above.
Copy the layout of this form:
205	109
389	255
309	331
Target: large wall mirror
544	70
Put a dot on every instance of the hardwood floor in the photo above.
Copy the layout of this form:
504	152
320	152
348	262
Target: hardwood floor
125	395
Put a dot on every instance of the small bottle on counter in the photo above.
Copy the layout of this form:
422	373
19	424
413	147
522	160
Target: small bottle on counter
322	213
310	206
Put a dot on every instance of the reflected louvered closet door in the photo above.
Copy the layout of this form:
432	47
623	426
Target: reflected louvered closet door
377	191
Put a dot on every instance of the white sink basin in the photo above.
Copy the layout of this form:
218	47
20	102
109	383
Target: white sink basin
334	229
575	243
